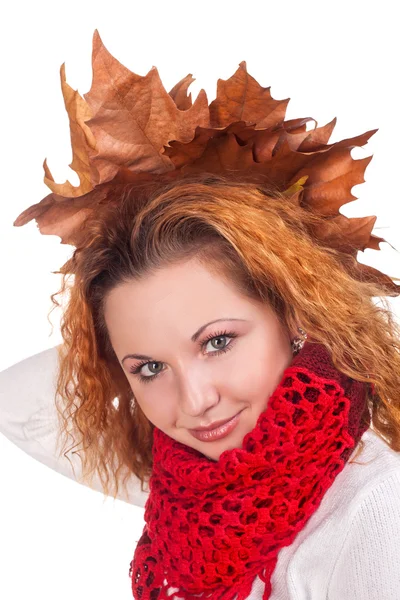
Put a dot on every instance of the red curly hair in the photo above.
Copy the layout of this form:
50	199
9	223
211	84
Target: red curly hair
258	239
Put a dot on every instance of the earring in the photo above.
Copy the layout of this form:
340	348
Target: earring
298	342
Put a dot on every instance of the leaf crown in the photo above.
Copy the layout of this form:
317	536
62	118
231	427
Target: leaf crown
129	129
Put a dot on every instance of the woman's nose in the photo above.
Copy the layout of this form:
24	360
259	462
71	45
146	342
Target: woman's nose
197	393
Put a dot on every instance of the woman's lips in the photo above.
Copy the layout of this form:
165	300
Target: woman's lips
218	433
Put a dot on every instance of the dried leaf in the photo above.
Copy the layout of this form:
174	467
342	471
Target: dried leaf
134	117
82	140
129	130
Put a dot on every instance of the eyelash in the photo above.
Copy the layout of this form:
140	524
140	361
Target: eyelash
229	334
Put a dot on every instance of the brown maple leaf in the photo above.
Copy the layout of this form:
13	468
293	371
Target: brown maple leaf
129	129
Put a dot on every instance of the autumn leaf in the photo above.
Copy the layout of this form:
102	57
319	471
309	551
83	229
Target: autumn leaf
82	141
134	117
242	98
129	130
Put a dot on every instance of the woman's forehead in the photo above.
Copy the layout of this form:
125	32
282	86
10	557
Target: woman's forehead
183	286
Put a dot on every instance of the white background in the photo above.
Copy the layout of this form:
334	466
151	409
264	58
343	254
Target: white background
58	539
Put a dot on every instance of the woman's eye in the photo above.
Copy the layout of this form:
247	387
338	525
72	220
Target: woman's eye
219	349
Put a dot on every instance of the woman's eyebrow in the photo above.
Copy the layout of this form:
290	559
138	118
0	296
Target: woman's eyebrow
194	338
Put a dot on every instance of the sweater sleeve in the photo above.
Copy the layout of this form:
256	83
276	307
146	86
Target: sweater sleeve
29	419
368	566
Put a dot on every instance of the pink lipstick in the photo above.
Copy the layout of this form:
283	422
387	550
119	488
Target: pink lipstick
217	433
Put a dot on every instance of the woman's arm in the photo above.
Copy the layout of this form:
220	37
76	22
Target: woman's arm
28	418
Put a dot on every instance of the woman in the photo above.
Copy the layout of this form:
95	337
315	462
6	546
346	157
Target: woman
212	300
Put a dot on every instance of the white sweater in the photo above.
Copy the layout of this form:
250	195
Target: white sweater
348	550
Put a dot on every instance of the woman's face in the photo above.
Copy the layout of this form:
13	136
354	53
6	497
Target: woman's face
190	383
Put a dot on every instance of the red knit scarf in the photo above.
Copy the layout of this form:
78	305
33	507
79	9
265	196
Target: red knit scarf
213	526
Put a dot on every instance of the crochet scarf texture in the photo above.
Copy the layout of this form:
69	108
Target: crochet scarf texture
212	526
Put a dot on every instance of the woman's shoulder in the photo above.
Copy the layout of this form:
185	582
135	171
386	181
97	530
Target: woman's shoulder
364	497
377	459
376	465
367	562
